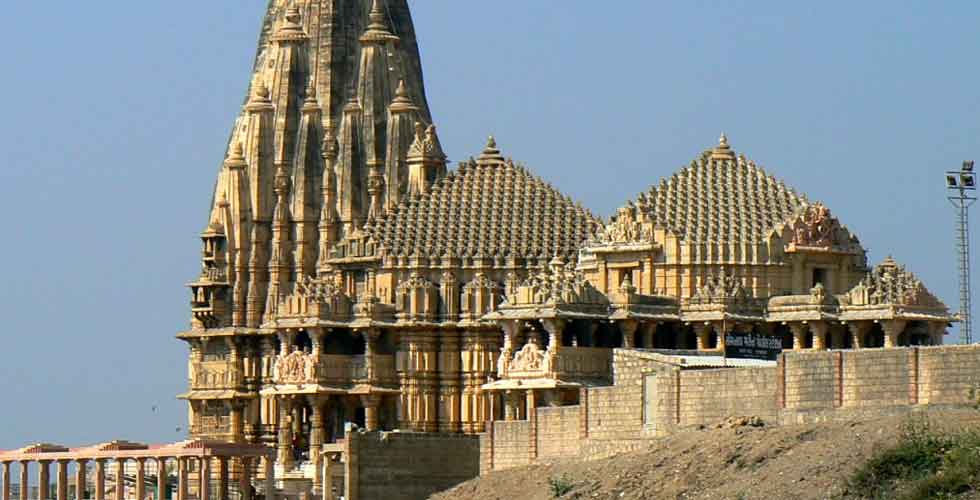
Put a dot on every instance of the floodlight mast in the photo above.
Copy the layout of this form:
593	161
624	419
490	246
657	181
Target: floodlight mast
960	185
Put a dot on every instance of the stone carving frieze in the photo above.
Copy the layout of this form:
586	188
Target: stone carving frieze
557	286
322	291
721	290
630	225
817	228
891	284
530	358
296	367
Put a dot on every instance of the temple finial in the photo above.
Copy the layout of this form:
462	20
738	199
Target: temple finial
377	28
722	151
491	155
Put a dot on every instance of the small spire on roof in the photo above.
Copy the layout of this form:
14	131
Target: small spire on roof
377	28
723	151
491	155
291	30
236	156
403	100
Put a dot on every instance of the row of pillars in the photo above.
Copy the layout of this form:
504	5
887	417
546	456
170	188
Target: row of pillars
139	492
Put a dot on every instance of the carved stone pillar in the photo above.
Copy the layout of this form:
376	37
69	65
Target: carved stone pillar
819	330
204	488
121	479
44	479
316	438
858	329
62	481
100	479
285	443
370	351
25	481
80	480
371	403
141	478
450	418
161	478
182	485
511	330
892	328
718	327
701	331
628	328
800	331
5	488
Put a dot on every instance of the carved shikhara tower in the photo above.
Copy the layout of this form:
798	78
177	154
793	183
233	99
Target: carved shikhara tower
349	276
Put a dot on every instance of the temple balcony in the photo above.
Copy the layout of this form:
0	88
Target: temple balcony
565	367
215	375
334	371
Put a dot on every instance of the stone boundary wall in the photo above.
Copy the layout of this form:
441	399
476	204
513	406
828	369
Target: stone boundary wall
408	466
709	396
824	385
558	432
802	387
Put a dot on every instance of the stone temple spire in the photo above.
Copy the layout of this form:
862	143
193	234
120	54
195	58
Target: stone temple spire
335	91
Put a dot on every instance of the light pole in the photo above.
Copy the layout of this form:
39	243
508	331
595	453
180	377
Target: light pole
960	186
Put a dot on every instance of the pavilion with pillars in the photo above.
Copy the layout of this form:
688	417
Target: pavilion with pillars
149	466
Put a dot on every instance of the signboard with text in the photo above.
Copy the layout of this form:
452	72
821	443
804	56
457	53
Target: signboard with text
752	346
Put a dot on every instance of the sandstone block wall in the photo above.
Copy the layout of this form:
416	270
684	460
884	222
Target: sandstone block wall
949	375
810	380
709	396
876	378
511	444
652	397
558	432
409	466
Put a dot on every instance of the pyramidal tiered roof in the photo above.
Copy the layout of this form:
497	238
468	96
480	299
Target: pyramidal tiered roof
487	208
720	197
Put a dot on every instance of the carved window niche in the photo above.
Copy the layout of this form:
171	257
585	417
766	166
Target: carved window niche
216	350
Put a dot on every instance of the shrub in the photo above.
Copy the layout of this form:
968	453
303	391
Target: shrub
560	486
925	464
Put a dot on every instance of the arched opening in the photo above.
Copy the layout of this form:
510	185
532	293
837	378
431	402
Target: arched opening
712	339
665	336
387	343
875	337
688	340
343	341
608	335
302	341
785	335
916	333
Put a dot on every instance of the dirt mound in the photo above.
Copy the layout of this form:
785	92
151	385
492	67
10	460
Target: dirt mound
735	459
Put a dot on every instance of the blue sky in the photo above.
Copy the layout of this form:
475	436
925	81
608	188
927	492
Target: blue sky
116	115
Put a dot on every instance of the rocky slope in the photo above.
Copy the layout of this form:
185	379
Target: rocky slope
734	460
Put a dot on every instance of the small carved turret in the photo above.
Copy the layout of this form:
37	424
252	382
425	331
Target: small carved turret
491	155
426	161
402	116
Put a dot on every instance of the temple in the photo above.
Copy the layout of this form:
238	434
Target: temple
349	276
